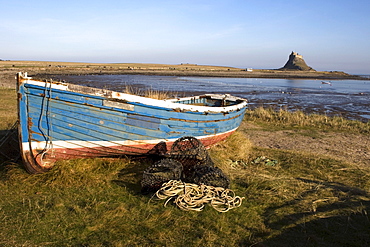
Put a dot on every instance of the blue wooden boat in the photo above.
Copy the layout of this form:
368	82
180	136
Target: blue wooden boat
65	121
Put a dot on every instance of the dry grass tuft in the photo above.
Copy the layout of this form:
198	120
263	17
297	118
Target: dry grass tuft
156	94
150	93
239	151
299	119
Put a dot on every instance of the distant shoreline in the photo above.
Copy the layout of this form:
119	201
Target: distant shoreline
8	70
268	74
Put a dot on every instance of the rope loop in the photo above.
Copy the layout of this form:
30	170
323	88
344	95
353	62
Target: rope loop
193	197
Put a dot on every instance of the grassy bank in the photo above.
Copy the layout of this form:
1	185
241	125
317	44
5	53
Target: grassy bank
292	198
46	68
284	119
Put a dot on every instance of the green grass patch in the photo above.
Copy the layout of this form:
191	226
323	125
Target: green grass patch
97	202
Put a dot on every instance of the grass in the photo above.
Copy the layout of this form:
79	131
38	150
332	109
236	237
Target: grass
298	119
97	203
53	68
8	108
47	66
150	93
302	200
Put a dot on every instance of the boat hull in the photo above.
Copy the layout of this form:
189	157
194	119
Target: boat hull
63	121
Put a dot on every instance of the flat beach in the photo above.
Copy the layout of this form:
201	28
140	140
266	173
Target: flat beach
8	70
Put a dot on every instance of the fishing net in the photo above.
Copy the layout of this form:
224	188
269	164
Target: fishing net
188	161
209	175
160	172
190	152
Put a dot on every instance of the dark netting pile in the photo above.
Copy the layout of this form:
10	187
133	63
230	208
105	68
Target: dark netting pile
160	172
208	175
188	161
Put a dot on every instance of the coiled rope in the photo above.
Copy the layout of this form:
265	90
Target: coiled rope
194	197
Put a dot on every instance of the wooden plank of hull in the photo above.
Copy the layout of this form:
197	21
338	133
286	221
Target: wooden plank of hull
58	124
44	161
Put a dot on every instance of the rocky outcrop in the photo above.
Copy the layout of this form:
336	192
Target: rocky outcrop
296	62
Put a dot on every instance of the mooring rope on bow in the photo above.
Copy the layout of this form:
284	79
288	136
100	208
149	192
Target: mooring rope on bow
194	197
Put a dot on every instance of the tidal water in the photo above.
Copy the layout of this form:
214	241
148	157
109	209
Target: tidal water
346	98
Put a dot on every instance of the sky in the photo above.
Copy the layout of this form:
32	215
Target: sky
332	35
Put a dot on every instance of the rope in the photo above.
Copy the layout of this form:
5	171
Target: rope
194	197
46	107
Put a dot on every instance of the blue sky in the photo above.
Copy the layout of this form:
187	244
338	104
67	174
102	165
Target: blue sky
330	34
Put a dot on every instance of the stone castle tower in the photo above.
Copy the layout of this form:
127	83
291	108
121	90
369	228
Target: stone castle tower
296	62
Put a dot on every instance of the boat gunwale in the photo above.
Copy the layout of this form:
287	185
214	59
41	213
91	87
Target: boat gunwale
171	104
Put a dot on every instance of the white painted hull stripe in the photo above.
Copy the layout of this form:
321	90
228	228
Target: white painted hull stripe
71	144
